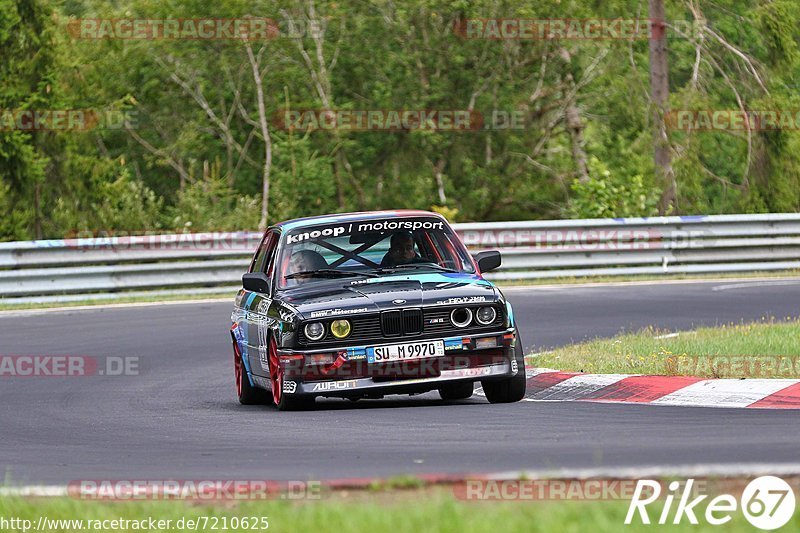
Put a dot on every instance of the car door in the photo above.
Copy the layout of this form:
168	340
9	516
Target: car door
257	306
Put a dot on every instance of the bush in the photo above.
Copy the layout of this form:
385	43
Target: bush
610	196
212	205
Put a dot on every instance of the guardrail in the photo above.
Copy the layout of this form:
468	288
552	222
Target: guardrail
63	268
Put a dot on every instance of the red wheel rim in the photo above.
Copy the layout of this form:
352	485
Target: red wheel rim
275	372
237	365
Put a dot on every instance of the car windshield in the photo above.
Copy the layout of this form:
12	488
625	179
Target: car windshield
366	248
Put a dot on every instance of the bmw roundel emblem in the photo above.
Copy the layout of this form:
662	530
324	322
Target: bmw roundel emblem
398	302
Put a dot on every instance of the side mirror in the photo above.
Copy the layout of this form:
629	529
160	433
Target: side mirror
256	282
488	261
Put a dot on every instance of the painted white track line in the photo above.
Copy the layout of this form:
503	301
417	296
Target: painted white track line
656	471
97	307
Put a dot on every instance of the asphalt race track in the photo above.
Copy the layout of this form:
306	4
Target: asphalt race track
179	417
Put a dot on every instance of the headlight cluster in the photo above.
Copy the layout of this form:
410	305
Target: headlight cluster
486	315
340	328
316	330
462	317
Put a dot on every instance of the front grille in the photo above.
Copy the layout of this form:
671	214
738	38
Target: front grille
407	323
412	321
392	323
366	328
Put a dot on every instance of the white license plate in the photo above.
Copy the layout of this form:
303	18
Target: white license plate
406	351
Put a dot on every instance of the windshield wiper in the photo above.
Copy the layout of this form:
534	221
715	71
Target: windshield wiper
328	273
415	266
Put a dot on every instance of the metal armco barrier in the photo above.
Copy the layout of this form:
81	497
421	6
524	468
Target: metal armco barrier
53	269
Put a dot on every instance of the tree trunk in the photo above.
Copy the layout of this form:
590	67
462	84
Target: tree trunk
262	118
659	88
438	172
574	124
37	211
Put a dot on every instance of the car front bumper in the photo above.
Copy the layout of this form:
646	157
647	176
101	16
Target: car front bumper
467	358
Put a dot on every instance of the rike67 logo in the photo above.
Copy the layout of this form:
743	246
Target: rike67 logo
767	502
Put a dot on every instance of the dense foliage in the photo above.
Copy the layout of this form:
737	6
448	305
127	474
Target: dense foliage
191	153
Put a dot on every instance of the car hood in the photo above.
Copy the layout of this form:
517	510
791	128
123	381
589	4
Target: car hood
337	297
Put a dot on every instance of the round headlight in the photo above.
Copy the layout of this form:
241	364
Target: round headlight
461	317
340	328
315	331
486	315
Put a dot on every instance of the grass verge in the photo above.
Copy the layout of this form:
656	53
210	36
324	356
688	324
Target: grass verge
410	512
766	349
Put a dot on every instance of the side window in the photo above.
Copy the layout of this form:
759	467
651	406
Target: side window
269	262
265	252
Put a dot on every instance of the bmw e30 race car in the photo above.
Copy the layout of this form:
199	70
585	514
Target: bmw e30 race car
361	305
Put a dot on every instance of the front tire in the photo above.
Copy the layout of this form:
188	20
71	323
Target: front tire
509	390
281	400
247	393
457	391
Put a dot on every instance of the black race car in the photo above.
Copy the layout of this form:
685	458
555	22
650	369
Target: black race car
363	305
